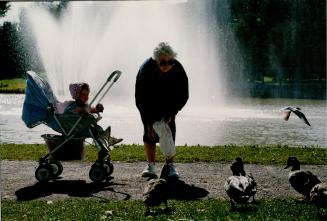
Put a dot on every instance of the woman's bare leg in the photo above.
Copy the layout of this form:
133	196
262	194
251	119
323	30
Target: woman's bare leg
150	152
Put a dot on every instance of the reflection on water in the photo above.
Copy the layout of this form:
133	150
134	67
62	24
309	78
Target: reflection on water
246	121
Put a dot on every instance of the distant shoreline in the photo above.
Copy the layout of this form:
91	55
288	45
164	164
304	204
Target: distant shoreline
295	90
17	91
13	86
292	90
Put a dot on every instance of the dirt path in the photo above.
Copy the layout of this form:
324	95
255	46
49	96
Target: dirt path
197	180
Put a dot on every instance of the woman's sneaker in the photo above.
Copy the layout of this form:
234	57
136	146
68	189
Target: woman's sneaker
172	171
149	171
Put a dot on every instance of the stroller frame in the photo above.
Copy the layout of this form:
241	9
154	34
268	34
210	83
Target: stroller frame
50	168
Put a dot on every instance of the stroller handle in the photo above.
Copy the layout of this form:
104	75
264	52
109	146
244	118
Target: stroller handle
116	74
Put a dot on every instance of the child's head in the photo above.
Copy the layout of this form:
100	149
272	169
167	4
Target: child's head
80	91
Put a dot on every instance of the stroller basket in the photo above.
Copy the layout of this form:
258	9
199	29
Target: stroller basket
74	149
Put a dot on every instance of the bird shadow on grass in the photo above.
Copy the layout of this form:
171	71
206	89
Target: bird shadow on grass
75	188
179	190
246	208
322	216
159	211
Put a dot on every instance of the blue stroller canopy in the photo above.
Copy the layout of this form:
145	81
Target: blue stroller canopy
39	98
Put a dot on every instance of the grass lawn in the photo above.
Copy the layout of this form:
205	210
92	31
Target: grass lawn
13	85
211	209
94	208
268	155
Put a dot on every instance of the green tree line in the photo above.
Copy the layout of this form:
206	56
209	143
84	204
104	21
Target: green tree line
282	39
18	50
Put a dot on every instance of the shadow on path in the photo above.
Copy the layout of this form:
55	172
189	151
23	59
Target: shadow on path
180	190
77	188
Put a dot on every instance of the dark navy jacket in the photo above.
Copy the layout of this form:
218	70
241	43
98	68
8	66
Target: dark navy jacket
158	95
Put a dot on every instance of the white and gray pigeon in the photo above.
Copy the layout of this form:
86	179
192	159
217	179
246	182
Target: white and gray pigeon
240	187
155	193
297	111
318	196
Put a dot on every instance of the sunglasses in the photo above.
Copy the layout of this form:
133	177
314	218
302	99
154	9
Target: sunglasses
170	62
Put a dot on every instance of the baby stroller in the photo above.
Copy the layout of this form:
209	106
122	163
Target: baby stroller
41	106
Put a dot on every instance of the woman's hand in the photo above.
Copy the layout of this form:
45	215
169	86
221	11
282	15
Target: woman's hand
99	107
169	118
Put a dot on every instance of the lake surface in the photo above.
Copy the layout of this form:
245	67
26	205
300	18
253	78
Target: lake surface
243	121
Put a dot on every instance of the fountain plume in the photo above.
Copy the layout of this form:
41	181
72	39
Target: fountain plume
91	39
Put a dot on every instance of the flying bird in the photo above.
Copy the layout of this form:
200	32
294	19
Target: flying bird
297	111
301	180
240	187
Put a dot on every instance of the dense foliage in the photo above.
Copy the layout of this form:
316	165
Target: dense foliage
18	52
4	7
283	39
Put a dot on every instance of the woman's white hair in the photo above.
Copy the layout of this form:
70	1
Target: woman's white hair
163	48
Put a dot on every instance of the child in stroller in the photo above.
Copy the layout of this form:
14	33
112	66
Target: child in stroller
79	122
80	93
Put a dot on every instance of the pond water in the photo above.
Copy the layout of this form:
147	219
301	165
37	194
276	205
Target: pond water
243	121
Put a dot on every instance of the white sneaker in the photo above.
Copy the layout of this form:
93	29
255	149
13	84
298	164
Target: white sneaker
149	170
172	171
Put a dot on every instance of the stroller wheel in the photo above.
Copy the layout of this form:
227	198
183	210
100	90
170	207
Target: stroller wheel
57	168
97	173
109	166
43	173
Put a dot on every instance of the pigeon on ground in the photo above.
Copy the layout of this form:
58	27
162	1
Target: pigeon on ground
240	187
296	110
301	180
155	193
318	196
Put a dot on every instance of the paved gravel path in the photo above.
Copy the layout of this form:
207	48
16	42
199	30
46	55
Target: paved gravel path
198	180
